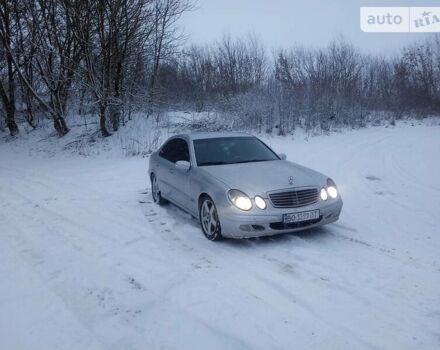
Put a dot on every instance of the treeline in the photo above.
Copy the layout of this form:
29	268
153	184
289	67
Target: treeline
333	86
111	58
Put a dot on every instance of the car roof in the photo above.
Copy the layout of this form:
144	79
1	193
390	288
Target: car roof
198	135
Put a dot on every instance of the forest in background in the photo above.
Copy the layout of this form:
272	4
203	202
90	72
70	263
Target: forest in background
114	60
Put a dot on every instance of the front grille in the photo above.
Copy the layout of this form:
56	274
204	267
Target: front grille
294	198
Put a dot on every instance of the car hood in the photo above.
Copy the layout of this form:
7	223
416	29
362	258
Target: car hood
262	177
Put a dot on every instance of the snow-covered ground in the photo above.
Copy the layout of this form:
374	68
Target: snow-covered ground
87	261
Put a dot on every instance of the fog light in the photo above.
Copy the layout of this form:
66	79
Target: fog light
324	195
246	228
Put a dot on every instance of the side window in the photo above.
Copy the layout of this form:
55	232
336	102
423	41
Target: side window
165	150
174	150
181	151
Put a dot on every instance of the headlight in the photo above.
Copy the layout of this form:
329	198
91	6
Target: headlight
332	189
324	194
240	200
260	202
332	192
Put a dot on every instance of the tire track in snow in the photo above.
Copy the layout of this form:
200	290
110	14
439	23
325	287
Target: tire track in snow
106	296
273	267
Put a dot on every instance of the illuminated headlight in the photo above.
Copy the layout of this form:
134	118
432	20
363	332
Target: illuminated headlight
332	189
240	200
324	195
260	202
332	192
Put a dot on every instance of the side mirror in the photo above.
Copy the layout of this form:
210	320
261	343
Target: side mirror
183	165
282	156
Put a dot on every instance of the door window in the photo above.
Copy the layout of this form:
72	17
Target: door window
174	150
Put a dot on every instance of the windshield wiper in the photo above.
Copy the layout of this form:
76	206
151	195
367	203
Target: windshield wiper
252	160
213	163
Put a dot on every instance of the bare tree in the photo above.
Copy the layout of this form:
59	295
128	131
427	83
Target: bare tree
54	55
166	36
114	35
57	55
7	73
25	52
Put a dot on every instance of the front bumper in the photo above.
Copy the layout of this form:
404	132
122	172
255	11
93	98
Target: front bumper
257	223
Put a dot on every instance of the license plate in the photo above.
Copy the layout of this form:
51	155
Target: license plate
303	216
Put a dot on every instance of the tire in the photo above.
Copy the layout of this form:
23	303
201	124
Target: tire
209	220
155	191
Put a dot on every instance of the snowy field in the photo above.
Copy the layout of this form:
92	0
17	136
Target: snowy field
87	261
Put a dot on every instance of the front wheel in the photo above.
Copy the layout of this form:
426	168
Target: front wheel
209	220
155	191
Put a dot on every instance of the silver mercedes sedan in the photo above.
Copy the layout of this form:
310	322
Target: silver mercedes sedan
238	187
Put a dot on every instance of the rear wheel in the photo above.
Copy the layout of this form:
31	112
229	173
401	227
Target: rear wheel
209	220
155	191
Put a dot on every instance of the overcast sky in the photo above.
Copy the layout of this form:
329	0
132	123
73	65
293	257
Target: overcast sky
286	22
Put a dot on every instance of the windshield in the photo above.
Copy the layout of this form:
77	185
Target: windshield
231	150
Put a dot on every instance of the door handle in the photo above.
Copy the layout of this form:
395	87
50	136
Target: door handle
171	170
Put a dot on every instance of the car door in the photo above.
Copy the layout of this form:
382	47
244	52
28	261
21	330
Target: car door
163	167
179	178
175	180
